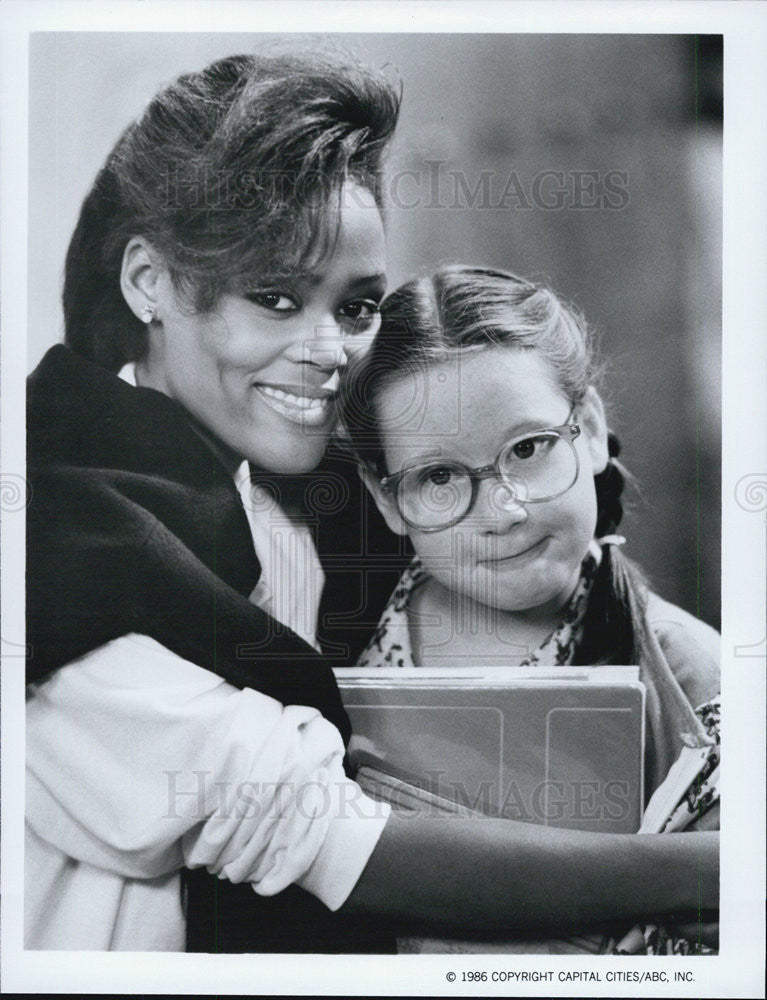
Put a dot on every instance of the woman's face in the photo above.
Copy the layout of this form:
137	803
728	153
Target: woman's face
260	370
503	554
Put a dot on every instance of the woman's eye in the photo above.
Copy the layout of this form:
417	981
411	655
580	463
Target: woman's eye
361	314
274	301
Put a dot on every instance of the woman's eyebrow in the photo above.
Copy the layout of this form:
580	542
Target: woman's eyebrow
376	281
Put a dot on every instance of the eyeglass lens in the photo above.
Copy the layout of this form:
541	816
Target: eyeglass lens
538	467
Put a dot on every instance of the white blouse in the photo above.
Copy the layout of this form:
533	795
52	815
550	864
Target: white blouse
140	763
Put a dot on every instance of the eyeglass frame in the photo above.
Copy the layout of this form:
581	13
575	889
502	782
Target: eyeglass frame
389	484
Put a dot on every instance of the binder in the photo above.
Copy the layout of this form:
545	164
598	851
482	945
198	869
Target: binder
555	746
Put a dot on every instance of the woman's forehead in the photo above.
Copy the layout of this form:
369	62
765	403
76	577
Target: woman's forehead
354	251
343	242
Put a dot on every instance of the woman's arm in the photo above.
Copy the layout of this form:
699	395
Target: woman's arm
140	763
494	873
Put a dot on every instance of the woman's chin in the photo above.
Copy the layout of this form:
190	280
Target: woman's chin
284	446
290	462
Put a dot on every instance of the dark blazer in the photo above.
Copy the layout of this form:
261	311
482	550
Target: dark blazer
134	525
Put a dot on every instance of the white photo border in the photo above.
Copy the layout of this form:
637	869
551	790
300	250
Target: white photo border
738	970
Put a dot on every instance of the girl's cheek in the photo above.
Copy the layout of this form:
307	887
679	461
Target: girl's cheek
442	554
431	553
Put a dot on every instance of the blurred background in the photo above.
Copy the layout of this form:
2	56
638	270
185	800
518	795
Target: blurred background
592	162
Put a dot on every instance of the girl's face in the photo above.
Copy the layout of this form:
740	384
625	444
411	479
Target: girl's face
260	371
503	554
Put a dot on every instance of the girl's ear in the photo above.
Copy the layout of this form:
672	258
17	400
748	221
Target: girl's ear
139	278
384	501
591	416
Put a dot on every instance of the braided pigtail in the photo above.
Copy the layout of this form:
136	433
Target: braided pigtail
614	626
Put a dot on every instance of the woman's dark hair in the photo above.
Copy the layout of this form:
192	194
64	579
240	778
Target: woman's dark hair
232	174
461	308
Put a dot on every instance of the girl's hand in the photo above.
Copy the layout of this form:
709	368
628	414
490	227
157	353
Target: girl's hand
709	820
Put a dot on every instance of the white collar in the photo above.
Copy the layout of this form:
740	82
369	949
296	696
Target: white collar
128	373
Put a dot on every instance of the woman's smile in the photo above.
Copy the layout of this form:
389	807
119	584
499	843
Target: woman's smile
300	404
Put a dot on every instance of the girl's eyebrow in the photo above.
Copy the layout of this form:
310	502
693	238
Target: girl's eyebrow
436	454
521	427
531	425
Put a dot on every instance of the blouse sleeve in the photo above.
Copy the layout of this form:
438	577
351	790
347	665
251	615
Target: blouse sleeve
692	649
140	762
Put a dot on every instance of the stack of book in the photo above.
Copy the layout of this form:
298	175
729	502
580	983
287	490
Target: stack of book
559	747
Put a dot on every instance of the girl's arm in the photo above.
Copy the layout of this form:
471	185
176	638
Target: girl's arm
495	873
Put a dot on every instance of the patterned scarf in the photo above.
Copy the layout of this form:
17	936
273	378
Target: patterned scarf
390	645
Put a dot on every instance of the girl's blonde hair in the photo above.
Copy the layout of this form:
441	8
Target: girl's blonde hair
459	309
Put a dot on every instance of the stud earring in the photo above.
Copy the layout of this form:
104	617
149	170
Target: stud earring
147	314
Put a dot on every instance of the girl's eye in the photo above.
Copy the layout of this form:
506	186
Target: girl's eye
361	314
274	301
439	476
427	478
524	449
532	447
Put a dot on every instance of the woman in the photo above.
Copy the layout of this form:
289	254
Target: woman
229	250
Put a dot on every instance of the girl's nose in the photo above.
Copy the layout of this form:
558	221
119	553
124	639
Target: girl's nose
497	505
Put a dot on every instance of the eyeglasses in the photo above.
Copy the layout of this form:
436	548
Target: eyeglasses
536	466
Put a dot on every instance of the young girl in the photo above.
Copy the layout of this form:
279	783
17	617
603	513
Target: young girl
484	440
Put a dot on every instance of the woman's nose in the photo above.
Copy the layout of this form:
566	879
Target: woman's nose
498	506
325	348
